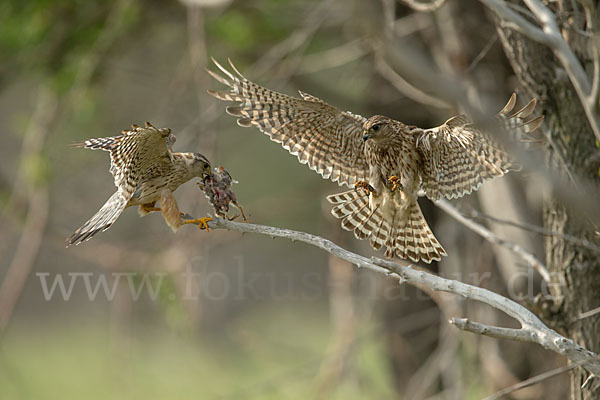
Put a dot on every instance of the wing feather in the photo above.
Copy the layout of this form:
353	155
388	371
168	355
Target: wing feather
328	140
133	153
458	157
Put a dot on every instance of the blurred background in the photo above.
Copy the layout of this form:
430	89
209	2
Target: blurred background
142	313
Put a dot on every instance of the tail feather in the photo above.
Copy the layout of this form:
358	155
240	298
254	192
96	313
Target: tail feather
101	221
366	224
391	238
377	239
420	243
103	143
407	236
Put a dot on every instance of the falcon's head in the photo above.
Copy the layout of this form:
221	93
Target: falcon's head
200	165
376	128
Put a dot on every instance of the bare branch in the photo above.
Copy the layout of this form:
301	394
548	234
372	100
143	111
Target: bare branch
466	324
538	229
534	330
294	41
588	314
534	380
404	87
481	54
334	57
493	238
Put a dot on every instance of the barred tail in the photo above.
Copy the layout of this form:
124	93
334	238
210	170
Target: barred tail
408	237
414	239
101	221
103	143
353	208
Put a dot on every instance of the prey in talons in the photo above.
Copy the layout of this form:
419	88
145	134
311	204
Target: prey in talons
217	189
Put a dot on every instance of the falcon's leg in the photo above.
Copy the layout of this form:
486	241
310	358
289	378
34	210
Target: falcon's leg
144	209
363	185
395	182
170	210
202	222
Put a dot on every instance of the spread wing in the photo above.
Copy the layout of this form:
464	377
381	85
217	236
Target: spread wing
133	154
328	140
458	158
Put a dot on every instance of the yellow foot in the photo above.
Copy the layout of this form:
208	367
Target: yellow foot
202	222
364	186
395	181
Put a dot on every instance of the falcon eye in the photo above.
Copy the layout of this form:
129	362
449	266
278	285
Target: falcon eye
375	128
205	166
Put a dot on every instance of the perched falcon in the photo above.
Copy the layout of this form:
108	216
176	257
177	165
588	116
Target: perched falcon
385	161
146	170
217	189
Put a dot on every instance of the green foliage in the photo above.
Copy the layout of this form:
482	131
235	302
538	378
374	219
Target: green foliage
246	29
176	318
235	28
51	37
266	353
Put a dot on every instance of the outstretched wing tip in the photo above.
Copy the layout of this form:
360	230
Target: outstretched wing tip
320	135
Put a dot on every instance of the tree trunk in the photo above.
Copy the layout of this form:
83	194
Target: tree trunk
575	270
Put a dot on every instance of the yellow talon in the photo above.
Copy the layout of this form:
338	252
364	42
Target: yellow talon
395	181
365	186
202	222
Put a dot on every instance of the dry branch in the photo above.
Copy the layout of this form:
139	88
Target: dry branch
488	235
532	328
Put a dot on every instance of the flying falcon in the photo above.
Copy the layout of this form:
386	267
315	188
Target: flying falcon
146	171
384	162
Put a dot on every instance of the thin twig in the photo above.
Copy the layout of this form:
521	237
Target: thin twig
538	229
493	238
295	40
532	328
334	57
534	380
405	87
482	54
589	313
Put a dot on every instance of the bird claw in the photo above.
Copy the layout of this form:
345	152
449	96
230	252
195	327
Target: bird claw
202	222
395	181
363	185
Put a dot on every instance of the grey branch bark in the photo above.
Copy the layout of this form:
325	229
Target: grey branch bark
532	329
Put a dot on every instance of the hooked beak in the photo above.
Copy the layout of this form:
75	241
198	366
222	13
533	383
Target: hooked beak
365	136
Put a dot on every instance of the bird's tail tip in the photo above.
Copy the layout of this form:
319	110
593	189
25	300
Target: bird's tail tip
408	237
